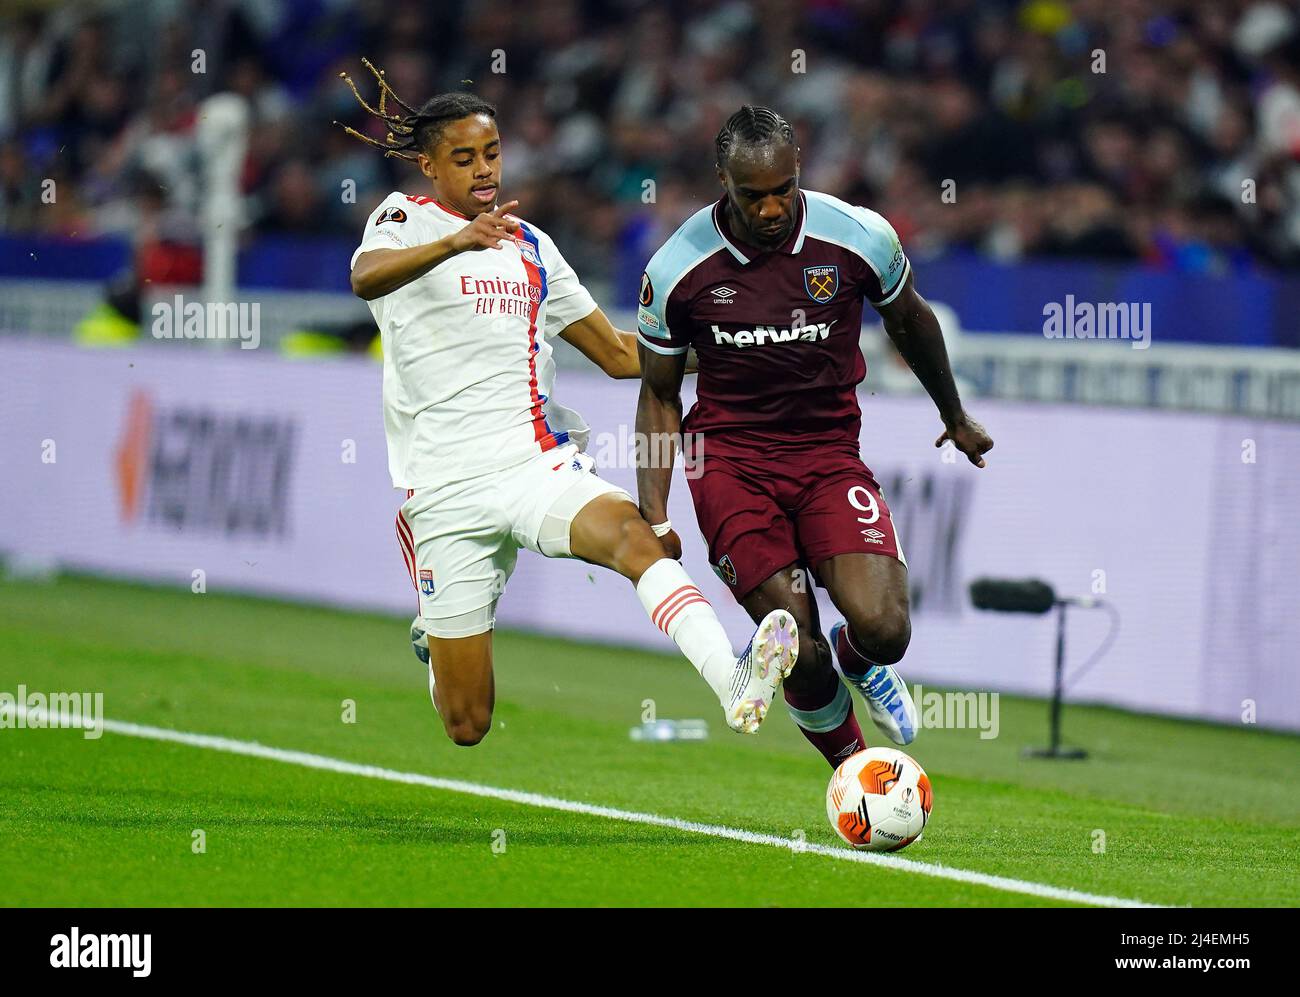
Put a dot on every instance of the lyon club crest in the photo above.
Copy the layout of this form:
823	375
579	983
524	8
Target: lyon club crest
426	581
528	252
821	283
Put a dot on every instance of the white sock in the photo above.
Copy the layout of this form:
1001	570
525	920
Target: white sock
680	610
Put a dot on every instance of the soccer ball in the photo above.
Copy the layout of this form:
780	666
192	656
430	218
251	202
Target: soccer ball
879	800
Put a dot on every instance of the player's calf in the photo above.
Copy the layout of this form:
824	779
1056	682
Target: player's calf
815	661
629	546
461	683
611	532
821	706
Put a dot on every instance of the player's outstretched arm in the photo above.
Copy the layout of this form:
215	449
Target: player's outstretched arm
912	326
382	271
658	420
610	349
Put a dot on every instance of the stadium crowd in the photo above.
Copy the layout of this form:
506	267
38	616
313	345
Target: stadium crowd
1131	130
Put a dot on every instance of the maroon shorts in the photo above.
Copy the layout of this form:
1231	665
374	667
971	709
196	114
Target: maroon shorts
760	513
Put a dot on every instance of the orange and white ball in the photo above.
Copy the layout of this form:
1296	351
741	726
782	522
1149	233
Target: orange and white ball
879	800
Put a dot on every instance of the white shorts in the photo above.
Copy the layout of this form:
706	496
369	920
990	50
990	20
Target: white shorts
461	540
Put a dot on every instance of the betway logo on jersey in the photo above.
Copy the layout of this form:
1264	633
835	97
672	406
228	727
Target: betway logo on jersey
760	335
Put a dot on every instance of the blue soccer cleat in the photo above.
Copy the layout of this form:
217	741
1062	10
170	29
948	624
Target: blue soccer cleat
886	696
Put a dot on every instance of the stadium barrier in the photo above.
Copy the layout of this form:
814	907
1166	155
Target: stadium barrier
1255	381
228	471
1249	306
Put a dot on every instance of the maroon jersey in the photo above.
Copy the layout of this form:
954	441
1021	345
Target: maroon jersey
776	332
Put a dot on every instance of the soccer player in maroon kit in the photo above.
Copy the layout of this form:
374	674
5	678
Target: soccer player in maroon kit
767	285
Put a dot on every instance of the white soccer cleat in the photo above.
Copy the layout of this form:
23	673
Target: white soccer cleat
770	657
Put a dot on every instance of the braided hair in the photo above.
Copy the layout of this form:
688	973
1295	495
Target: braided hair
412	131
751	125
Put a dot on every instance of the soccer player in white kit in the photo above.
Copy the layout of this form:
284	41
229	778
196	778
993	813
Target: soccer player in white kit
465	296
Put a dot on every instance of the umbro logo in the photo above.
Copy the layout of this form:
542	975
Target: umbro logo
723	292
873	535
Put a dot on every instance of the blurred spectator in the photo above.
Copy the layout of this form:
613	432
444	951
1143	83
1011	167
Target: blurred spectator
1144	131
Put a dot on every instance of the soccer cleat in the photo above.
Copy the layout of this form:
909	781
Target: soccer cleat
419	642
771	655
422	652
886	696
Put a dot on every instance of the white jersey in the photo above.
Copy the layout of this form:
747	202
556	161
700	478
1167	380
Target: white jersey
467	368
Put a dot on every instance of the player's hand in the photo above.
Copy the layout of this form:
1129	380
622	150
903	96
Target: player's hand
969	437
671	541
672	544
487	230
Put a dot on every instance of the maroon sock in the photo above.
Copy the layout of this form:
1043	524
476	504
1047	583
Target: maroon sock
825	717
852	661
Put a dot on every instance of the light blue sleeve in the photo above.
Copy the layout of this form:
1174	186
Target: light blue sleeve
880	246
652	315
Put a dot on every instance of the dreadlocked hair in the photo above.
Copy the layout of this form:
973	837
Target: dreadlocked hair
412	131
751	124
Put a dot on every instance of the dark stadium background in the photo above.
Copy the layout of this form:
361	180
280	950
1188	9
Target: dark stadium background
1128	178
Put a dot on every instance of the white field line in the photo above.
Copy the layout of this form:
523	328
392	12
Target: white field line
252	749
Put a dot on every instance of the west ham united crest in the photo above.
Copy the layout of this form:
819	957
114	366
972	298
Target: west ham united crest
726	570
426	581
821	283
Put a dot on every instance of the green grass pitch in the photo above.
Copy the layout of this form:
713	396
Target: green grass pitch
1191	813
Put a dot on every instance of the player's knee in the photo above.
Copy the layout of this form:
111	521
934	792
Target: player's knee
467	727
893	634
466	735
883	633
